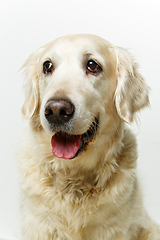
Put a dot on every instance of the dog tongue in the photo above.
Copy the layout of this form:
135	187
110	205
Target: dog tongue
65	145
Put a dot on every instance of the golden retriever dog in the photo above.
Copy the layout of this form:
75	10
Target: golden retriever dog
77	160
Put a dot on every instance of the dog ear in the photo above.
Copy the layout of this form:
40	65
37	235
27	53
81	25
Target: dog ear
132	92
31	84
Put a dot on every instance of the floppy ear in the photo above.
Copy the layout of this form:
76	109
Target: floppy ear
31	85
132	92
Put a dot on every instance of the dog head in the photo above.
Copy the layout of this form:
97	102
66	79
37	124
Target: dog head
77	86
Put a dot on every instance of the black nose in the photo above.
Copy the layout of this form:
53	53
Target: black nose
58	111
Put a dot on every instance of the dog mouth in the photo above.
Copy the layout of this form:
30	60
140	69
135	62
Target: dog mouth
68	146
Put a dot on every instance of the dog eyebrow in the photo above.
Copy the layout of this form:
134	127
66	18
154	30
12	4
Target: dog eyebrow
95	56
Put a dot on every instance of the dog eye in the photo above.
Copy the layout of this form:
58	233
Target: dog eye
47	67
93	67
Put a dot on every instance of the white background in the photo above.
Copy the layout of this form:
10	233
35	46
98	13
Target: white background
24	27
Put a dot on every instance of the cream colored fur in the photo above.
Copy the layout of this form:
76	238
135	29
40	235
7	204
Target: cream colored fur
96	195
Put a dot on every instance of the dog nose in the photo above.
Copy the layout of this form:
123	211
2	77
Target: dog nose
59	111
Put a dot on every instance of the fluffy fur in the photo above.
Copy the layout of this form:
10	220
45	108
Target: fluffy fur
96	195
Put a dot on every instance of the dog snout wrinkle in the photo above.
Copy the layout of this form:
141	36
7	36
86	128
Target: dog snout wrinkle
59	111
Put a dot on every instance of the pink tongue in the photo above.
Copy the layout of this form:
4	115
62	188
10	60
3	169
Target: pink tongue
65	145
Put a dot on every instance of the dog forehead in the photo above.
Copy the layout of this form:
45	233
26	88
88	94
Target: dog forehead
79	44
78	40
